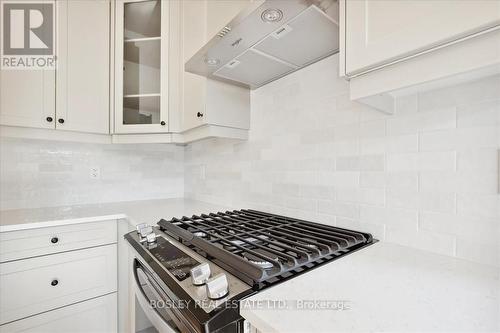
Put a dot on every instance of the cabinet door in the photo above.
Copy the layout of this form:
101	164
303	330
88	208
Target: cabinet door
95	315
382	31
83	66
141	72
27	98
194	36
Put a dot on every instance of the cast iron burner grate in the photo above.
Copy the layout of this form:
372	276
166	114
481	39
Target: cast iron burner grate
258	246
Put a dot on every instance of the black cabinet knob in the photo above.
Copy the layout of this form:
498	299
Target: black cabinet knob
49	119
54	240
60	120
199	114
162	123
54	282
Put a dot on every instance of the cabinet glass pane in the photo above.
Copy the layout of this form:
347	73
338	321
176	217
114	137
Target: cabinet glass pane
141	67
142	19
141	110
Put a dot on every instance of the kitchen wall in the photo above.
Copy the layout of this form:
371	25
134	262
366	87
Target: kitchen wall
44	173
425	177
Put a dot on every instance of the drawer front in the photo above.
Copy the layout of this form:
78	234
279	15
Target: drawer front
22	244
35	285
98	315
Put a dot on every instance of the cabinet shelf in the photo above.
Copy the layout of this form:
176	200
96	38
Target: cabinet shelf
144	39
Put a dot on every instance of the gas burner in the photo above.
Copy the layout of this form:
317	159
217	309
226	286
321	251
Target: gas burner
200	234
259	261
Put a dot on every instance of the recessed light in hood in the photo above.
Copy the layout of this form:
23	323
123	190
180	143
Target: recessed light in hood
270	40
271	15
212	62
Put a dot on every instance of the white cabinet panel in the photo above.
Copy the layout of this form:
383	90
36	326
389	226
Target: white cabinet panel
39	284
382	31
83	66
27	98
22	244
97	315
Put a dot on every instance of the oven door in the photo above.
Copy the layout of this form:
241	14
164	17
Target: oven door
149	293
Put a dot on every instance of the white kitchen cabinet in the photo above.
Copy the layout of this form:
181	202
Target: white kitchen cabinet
205	101
27	98
379	32
95	315
391	48
75	96
141	66
197	108
38	284
82	97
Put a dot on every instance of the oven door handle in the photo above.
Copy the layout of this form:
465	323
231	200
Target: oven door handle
154	317
159	294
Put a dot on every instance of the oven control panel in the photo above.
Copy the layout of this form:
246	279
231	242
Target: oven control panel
174	260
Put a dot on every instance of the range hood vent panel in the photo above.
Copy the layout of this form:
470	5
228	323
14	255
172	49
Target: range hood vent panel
252	52
254	69
312	36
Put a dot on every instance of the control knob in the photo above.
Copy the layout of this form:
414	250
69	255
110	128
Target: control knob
146	233
200	274
217	287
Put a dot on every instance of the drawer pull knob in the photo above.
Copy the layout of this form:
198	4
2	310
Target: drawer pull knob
54	282
199	115
54	240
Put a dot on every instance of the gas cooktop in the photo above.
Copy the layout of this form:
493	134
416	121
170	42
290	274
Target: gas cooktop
262	248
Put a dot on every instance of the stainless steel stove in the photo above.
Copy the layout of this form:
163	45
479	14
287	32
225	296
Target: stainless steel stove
202	266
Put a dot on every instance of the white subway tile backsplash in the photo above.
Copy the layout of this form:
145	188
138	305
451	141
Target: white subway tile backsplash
460	139
485	206
45	173
339	209
372	162
479	114
402	180
370	196
423	177
402	162
437	161
478	160
403	125
438	119
372	179
402	144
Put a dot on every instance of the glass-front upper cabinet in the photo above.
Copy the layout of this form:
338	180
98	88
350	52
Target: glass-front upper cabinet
141	73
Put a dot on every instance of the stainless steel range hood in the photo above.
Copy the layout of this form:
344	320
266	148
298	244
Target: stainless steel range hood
268	40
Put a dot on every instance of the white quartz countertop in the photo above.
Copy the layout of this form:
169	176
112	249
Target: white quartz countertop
383	287
144	211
